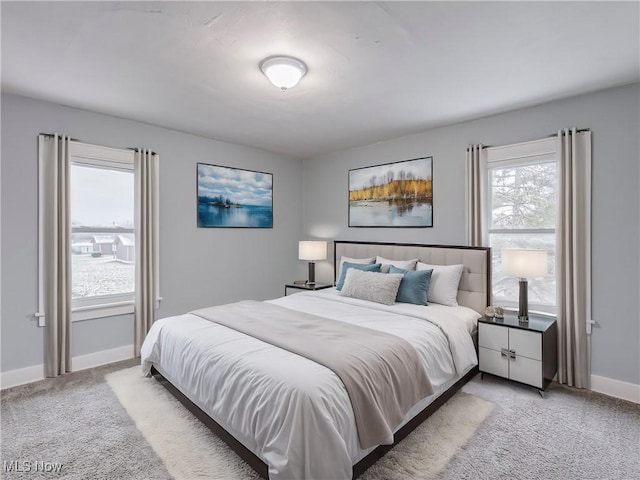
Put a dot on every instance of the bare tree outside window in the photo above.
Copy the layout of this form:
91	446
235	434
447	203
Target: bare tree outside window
523	202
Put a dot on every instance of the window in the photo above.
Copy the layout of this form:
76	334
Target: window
522	213
101	195
85	212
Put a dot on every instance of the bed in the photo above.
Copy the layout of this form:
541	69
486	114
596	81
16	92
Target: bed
290	417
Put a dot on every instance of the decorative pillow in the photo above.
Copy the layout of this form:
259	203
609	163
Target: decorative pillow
414	285
445	279
346	266
403	264
373	286
353	260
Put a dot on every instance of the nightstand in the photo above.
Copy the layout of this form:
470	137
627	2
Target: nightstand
523	352
306	286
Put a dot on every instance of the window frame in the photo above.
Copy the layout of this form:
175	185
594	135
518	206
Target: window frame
518	155
98	306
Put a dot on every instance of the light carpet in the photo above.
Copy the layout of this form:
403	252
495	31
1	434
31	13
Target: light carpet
190	451
570	434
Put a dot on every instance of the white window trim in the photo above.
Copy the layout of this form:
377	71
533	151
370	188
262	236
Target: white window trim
98	306
517	155
105	157
537	308
525	151
102	310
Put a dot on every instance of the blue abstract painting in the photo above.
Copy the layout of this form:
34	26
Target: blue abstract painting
234	198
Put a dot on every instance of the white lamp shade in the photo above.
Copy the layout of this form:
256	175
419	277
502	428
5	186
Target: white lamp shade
312	250
524	263
283	72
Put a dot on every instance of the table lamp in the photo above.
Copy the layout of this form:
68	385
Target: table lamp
312	250
524	263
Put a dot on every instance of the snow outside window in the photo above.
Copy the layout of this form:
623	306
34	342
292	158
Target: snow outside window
102	231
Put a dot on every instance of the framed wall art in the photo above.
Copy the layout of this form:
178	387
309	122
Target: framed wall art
234	198
398	194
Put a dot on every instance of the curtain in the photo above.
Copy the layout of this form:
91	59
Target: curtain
146	166
53	153
475	192
573	257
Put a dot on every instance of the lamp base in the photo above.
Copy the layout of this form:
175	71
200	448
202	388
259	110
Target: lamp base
312	274
523	305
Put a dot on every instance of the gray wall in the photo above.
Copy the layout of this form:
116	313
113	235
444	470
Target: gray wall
199	267
612	115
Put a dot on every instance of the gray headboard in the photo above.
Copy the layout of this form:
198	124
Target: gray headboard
475	285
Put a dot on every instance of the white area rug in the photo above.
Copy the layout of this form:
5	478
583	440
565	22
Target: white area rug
191	451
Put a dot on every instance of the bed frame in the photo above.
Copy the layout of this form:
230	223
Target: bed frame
474	292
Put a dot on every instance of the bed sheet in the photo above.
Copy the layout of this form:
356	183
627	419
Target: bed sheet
295	414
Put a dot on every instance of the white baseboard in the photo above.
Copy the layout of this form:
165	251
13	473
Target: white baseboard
101	358
12	378
21	376
616	388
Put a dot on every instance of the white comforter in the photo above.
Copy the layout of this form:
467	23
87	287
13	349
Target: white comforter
290	411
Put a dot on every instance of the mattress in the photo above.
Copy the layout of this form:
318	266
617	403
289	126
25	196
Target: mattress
289	411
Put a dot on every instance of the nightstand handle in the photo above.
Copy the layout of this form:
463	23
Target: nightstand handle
504	352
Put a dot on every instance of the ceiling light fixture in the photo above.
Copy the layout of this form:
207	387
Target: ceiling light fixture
283	72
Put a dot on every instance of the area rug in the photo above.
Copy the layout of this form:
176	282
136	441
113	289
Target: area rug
190	451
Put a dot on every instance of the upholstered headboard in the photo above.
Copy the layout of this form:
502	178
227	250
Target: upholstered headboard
474	290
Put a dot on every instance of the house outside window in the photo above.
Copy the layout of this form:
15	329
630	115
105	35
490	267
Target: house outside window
101	183
522	212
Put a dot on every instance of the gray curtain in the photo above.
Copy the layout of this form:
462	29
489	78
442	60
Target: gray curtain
476	177
147	251
53	152
573	257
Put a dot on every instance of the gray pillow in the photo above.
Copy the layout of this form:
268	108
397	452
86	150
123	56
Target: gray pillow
344	259
403	264
346	266
372	286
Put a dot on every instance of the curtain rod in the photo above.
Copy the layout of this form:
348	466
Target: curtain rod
54	134
135	149
580	130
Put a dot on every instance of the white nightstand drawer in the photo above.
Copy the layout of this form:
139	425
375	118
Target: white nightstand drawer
525	352
525	343
492	361
525	370
492	336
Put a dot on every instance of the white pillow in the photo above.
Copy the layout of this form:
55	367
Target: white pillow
445	279
403	264
372	286
353	260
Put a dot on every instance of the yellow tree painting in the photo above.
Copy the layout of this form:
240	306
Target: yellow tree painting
398	194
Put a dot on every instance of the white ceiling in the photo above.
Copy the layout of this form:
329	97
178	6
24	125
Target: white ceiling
376	70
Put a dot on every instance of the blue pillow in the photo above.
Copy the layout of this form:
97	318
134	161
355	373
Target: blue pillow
366	267
414	285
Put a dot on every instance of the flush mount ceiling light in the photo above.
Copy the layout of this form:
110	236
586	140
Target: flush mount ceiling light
283	72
